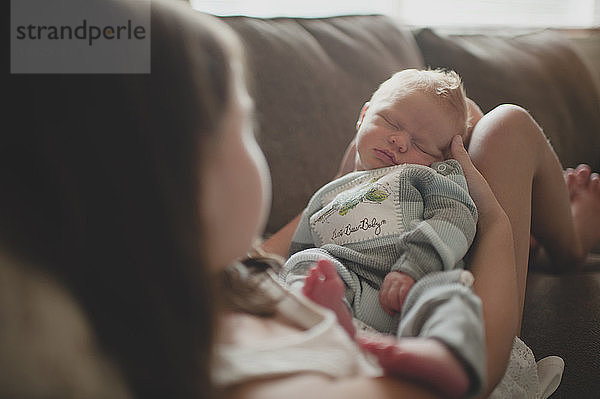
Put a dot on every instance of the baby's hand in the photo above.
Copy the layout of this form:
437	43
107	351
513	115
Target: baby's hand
394	290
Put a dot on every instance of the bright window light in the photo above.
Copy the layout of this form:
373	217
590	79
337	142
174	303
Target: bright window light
450	13
304	8
532	13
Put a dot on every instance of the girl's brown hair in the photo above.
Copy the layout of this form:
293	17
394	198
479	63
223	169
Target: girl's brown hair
241	284
101	185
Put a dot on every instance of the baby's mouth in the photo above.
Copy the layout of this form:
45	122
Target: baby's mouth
386	156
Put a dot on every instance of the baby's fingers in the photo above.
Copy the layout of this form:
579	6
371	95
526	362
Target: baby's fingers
460	154
385	302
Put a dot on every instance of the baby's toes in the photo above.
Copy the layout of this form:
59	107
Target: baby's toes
568	171
582	174
313	279
595	182
584	169
569	176
377	345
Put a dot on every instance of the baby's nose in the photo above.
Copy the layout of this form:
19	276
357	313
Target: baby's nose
400	141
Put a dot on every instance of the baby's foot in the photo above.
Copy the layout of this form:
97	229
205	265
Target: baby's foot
427	361
576	177
584	192
324	286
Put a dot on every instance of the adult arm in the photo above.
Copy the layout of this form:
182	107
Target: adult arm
319	387
492	262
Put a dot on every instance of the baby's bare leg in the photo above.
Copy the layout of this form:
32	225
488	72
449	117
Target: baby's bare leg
324	286
427	361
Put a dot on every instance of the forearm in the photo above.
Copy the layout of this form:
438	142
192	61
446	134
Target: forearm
319	387
279	242
492	262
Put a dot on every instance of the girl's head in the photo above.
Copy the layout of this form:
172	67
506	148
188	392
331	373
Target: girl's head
127	188
236	182
411	118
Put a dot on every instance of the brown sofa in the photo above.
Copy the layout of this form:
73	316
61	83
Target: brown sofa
310	78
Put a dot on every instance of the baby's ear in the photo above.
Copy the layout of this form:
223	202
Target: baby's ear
362	114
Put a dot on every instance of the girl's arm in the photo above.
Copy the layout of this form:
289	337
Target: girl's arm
492	262
314	386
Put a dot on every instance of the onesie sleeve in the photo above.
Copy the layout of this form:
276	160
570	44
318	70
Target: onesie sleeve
439	238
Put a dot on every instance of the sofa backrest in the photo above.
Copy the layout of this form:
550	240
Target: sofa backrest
540	71
310	77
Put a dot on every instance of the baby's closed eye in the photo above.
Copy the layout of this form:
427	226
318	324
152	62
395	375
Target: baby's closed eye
390	122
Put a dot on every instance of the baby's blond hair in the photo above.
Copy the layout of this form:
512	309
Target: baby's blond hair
444	84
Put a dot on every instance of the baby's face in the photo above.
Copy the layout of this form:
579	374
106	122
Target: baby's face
415	128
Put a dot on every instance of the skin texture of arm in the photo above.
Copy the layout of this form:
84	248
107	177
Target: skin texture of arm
494	268
493	264
314	386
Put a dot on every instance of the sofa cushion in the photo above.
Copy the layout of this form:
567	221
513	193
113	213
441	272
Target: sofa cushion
540	71
309	79
561	318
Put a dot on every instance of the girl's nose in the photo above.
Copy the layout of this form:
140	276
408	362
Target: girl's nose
401	141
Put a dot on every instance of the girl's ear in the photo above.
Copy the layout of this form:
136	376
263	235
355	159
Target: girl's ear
362	114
